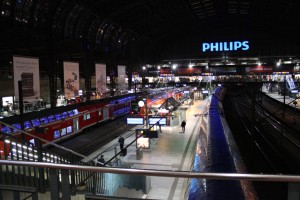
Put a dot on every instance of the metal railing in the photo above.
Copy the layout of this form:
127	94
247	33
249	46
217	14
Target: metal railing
64	170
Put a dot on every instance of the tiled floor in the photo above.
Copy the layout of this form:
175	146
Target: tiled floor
172	150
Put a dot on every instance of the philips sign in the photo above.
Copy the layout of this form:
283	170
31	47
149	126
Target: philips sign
225	46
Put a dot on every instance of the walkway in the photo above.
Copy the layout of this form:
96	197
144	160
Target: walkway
173	150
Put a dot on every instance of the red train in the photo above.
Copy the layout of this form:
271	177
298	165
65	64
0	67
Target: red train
156	98
62	122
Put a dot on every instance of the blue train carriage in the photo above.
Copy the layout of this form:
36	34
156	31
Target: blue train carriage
217	152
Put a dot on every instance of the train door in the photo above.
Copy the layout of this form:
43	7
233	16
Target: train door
75	125
105	112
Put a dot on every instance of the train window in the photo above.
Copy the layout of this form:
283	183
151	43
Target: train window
56	134
44	120
75	112
35	122
70	113
5	129
32	142
58	117
86	116
17	127
50	118
69	129
27	124
64	115
63	131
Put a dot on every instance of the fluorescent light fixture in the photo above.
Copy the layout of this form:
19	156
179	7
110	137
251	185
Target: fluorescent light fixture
287	62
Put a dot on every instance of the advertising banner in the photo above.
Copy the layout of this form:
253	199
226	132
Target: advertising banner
121	77
27	71
100	78
188	71
71	79
165	71
222	70
258	69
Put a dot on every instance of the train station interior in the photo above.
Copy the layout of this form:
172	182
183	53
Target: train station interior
160	99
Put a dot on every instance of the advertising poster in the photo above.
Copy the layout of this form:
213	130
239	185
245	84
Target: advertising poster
258	69
27	71
121	77
188	71
71	79
100	78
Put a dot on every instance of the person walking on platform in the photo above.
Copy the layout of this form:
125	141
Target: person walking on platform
183	123
121	141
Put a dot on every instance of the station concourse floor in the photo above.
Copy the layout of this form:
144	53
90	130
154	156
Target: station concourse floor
172	150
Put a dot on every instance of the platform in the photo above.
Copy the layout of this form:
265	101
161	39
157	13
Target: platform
288	100
172	150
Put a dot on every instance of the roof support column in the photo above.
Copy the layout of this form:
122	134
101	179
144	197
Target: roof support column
87	74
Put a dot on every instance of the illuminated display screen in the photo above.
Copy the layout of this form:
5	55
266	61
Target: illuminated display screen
155	120
50	118
143	143
135	121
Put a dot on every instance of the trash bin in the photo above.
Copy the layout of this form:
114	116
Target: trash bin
139	153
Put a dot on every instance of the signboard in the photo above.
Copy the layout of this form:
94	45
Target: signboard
100	78
259	69
225	46
71	79
151	134
142	141
188	71
160	120
135	120
26	70
121	77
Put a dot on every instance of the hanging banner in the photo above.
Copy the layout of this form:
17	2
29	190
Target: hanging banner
100	78
27	71
71	79
121	77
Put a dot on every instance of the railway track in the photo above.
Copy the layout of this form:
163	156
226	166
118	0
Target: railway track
93	138
273	142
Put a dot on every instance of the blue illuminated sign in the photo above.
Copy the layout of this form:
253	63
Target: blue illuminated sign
225	46
135	120
160	120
